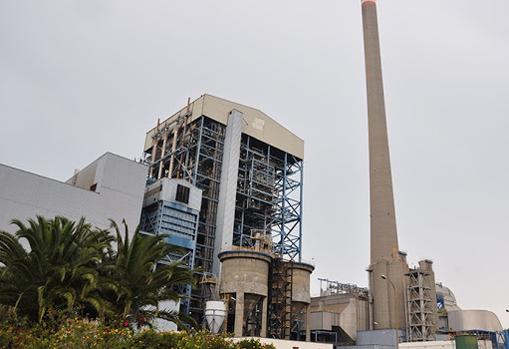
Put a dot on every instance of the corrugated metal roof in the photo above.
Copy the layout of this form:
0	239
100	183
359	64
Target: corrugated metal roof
257	124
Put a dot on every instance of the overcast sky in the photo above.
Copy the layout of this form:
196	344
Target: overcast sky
78	78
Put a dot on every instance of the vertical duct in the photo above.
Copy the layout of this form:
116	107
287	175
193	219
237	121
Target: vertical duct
228	186
388	267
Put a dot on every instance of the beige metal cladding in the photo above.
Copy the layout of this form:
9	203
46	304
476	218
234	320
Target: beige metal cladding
301	282
384	240
244	271
225	215
430	282
347	310
470	320
257	124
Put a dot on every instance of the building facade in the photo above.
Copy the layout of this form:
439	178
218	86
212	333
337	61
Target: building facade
111	187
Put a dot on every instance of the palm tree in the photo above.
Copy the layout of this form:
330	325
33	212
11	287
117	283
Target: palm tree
146	277
59	271
70	268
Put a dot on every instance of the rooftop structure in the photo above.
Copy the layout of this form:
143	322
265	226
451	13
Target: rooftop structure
257	124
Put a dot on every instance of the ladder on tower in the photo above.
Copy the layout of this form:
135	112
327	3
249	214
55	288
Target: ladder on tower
280	306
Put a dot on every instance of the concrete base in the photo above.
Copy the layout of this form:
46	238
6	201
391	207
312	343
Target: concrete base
388	293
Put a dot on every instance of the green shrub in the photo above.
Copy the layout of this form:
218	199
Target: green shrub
150	339
87	334
253	344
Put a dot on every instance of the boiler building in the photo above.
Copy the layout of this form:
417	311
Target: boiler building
249	171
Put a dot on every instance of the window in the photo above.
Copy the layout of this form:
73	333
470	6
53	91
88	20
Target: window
182	194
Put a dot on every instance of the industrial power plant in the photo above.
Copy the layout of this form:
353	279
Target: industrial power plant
224	182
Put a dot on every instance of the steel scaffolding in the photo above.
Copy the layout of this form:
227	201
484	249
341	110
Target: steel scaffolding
334	287
420	312
269	200
268	197
280	299
193	151
287	218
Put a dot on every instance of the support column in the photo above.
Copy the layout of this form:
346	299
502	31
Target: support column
308	323
263	332
173	149
153	157
239	314
161	163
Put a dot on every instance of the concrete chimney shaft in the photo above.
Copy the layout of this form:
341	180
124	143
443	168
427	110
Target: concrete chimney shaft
388	292
384	238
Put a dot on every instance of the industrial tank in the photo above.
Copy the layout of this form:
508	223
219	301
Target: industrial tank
301	282
244	271
215	314
301	298
244	283
466	342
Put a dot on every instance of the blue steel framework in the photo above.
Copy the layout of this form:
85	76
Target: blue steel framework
177	221
269	198
193	151
499	339
287	224
269	189
180	223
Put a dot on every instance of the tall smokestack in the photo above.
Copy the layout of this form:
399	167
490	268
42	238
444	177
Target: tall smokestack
384	238
387	267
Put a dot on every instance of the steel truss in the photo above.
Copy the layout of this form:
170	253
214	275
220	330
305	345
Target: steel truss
269	200
335	287
420	311
193	152
280	299
269	190
287	218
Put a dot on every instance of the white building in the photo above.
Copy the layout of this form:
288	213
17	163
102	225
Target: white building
110	187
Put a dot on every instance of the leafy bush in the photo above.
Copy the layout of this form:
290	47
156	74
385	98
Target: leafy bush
151	339
87	334
253	344
84	334
194	340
